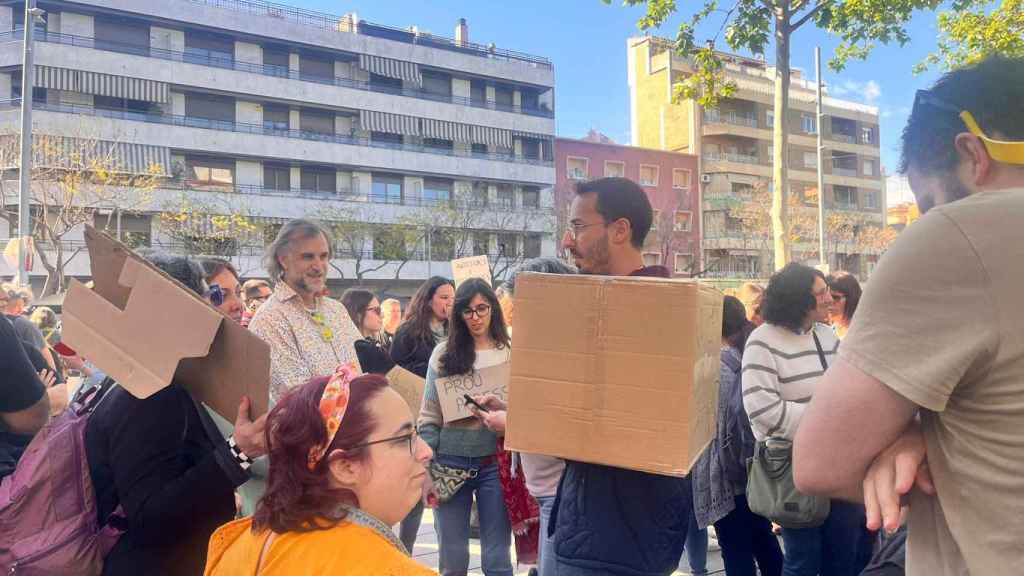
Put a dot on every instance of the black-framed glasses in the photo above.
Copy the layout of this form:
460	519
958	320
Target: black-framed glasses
481	311
410	438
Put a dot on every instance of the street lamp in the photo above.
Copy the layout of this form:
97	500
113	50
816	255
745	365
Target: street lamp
32	15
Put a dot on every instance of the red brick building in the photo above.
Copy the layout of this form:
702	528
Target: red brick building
670	179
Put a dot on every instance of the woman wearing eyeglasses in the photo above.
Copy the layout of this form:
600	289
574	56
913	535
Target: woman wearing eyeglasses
346	464
364	308
465	460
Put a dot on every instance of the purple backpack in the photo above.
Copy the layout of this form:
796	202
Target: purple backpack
48	514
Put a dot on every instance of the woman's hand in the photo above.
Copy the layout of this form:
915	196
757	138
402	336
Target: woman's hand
891	476
249	434
49	377
493	420
491	402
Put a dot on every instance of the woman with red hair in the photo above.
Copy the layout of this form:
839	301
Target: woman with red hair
346	463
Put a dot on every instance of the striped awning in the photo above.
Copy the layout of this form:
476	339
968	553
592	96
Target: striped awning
400	69
389	123
444	130
86	155
492	136
102	84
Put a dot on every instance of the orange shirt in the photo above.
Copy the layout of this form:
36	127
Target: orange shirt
347	548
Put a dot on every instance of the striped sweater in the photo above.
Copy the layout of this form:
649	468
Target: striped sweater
780	370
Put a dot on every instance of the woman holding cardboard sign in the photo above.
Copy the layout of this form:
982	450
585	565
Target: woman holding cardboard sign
474	360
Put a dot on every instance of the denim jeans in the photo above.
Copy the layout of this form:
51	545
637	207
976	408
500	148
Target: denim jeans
829	549
546	547
453	521
410	527
746	537
696	548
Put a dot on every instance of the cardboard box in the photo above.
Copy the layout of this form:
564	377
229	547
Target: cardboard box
144	329
472	267
615	371
409	386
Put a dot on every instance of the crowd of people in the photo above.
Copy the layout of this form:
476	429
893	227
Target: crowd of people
907	391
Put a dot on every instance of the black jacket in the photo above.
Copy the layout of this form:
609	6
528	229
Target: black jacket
622	522
373	358
174	481
411	353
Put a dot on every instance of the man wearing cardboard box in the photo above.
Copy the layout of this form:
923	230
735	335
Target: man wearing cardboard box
635	523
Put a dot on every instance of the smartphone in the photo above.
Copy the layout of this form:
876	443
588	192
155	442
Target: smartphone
64	350
469	400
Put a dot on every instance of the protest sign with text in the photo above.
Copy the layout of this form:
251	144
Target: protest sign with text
450	390
473	267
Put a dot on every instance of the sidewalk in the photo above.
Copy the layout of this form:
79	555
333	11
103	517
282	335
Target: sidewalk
426	551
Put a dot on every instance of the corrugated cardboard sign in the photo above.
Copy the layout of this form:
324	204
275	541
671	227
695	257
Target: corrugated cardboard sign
450	390
473	267
409	386
144	329
615	371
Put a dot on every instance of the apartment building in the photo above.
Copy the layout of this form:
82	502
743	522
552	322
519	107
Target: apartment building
417	147
734	144
666	177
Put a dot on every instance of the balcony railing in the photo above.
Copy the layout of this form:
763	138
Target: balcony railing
731	157
845	206
840	137
838	171
718	117
334	23
217	61
271	130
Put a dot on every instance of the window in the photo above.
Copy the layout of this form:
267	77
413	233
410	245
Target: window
652	258
529	99
531	197
442	245
531	148
386	189
648	175
869	167
577	168
680	178
506	196
479	148
508	245
275	117
437	83
845	195
316	121
684	263
807	193
867	135
120	35
531	246
210	171
316	67
480	195
477	92
503	96
387	83
614	169
769	118
871	199
123	104
389	244
210	107
385	138
810	159
209	49
135	230
481	243
438	144
808	124
317	179
275	61
683	219
437	192
277	177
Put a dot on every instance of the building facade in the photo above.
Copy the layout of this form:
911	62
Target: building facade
734	144
414	147
667	177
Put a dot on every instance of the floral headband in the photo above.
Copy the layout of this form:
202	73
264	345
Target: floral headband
333	405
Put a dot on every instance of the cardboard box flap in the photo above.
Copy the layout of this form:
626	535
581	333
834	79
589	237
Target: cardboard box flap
409	386
144	329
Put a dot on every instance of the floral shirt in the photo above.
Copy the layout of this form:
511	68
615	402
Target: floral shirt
303	343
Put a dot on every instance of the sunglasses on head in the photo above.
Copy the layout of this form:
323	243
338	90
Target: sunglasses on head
216	294
1000	150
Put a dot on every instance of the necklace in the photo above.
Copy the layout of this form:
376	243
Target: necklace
326	334
357	516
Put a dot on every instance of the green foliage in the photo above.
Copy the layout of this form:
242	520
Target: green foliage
967	36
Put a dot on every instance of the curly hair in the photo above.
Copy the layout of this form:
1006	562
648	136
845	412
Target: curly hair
460	353
299	499
789	297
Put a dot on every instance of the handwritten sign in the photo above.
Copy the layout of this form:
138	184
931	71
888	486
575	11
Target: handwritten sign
473	267
450	390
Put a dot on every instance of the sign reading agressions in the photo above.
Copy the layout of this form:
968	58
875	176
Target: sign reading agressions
473	267
450	390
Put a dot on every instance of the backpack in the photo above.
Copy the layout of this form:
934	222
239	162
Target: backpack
740	443
48	512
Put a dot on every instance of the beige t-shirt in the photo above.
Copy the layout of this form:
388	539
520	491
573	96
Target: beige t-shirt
942	323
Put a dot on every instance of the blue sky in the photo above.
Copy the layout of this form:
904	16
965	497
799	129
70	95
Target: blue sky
586	40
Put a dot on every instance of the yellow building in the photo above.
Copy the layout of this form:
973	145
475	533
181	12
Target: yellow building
734	145
903	215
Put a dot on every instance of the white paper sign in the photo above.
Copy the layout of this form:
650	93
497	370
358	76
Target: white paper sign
473	267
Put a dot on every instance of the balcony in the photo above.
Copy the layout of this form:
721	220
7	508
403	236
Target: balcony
719	117
847	138
839	171
731	157
215	61
271	130
845	206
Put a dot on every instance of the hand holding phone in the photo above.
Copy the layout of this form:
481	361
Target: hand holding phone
471	402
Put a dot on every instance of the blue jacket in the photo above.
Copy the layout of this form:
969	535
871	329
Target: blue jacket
621	522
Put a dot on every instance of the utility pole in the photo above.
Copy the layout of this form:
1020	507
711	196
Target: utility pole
822	257
25	166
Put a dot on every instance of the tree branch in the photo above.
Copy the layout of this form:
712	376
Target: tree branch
803	19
